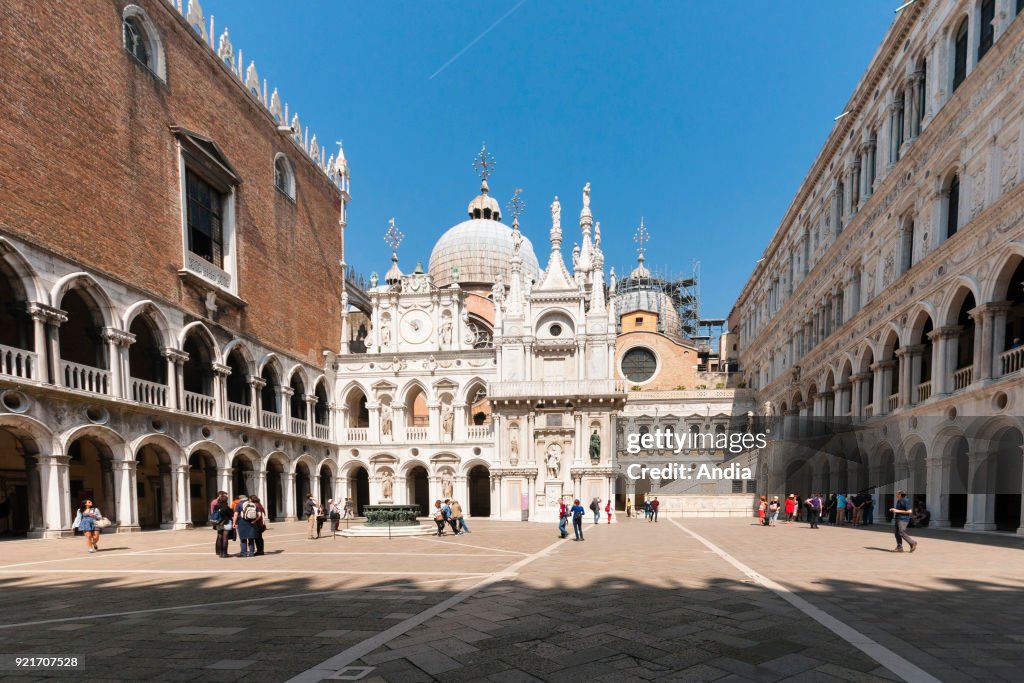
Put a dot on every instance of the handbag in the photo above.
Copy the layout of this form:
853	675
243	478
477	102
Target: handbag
103	523
232	535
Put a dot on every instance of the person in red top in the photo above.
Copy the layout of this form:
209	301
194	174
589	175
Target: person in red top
563	517
790	507
608	511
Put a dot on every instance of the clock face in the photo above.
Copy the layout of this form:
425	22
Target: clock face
416	327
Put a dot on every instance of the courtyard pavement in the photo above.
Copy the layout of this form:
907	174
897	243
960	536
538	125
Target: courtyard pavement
680	600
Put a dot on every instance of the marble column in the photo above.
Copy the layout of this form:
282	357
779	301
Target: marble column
256	385
460	429
226	481
398	424
998	311
311	402
180	503
937	491
981	499
55	497
175	383
290	513
220	374
904	398
434	421
125	494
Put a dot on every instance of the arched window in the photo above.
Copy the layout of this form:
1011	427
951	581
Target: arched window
142	41
953	206
960	55
987	28
284	179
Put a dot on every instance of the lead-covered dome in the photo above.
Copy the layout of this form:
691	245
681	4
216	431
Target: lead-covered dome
482	250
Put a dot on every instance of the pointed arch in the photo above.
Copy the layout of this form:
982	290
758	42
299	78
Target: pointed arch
87	283
19	266
198	327
156	316
958	290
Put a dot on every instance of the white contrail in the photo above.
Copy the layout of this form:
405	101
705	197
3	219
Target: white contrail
473	42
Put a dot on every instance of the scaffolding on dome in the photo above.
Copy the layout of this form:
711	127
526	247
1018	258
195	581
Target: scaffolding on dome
675	298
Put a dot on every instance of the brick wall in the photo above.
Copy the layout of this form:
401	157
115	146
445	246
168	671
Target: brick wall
89	169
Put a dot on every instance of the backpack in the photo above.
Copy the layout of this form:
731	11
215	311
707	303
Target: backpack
215	514
577	514
593	505
250	512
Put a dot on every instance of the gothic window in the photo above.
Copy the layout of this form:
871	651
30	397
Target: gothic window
142	41
205	209
921	95
953	206
284	179
988	30
960	55
639	364
897	127
907	249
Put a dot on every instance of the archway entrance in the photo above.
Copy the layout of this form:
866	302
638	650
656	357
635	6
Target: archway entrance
959	476
153	488
302	486
274	504
20	506
361	487
326	485
92	476
202	485
479	482
1008	475
419	489
243	477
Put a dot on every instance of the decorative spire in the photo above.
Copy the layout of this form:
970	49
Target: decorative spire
556	224
514	301
641	237
484	165
586	221
393	238
516	205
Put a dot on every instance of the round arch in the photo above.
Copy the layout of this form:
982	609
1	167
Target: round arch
105	435
168	444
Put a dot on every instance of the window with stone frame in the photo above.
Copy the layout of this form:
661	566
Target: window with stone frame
960	54
953	206
987	28
142	41
205	209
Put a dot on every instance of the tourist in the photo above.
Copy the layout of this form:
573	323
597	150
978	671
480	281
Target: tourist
439	518
830	509
563	518
459	519
629	508
814	510
595	507
854	505
773	511
260	525
762	511
334	513
654	509
347	512
921	516
840	509
901	518
798	506
608	511
245	517
220	517
867	513
577	512
85	521
790	508
309	513
647	510
213	503
320	518
450	517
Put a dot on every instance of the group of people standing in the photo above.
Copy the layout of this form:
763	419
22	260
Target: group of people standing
243	518
650	508
575	511
449	513
316	514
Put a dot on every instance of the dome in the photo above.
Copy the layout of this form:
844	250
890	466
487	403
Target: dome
482	250
653	300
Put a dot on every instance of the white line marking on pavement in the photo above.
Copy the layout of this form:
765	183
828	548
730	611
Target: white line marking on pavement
329	667
470	545
445	555
178	608
903	668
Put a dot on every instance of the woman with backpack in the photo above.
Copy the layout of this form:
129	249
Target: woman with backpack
577	513
246	517
220	518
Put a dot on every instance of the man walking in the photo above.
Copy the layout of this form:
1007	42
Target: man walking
901	518
577	512
595	507
309	512
654	508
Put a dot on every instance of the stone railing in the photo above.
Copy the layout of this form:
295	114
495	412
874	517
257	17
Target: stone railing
962	378
540	388
85	378
298	425
869	410
924	391
240	413
153	393
416	433
322	432
271	421
17	363
894	400
200	404
358	433
479	432
1012	360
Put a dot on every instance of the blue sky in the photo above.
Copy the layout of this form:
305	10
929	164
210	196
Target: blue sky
702	117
